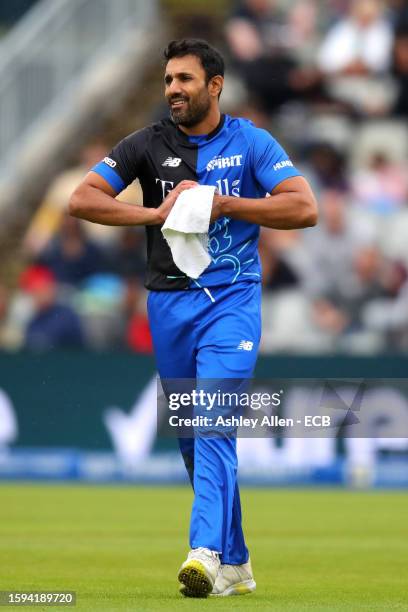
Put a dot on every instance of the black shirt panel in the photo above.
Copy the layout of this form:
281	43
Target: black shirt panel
160	158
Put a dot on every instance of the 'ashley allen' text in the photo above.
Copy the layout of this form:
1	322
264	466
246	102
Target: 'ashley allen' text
252	423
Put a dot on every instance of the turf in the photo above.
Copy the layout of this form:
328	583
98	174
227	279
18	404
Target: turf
120	548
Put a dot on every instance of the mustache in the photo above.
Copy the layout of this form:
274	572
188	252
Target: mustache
177	99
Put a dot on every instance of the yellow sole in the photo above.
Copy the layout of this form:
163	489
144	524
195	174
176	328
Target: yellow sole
240	588
195	579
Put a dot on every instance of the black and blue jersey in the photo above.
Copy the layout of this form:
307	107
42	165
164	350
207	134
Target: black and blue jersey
238	158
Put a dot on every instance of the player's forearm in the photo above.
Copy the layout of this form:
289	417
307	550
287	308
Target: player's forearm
93	205
289	210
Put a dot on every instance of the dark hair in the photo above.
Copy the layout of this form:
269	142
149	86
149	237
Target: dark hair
211	60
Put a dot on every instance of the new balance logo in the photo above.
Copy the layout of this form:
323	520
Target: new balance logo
245	345
172	162
224	162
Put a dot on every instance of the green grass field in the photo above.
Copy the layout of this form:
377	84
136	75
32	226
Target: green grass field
120	548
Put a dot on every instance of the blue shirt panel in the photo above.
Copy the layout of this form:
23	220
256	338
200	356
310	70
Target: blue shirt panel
241	161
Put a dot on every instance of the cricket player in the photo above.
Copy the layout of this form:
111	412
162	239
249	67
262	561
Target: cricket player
208	328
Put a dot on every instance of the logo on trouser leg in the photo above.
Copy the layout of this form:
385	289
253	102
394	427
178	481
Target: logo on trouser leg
245	345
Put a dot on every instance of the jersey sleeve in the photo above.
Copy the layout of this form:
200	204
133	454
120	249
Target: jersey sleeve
271	163
122	165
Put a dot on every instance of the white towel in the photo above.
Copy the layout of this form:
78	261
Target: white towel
186	229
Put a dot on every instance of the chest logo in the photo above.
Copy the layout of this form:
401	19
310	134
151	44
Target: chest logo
172	162
245	345
224	162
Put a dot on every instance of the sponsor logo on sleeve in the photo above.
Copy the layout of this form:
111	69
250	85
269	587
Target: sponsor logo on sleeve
109	161
283	164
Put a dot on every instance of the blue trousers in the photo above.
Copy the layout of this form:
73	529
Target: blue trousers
201	335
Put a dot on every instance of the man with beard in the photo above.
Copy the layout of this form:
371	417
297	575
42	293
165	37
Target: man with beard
207	328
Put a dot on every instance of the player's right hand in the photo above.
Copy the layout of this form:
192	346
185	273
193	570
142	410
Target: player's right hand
165	207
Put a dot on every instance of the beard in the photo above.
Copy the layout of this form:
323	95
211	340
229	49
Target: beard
196	110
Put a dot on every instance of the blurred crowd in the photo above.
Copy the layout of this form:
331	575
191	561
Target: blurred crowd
82	284
329	80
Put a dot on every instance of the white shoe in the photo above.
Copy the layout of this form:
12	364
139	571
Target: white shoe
198	572
234	580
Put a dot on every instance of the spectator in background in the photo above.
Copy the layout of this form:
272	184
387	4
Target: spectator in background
303	18
99	304
16	309
398	12
128	256
137	332
365	284
389	315
360	43
49	216
342	270
285	309
325	259
253	112
277	273
382	188
261	47
400	70
52	325
47	219
326	167
71	256
355	57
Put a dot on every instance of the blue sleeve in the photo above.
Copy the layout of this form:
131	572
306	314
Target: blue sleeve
270	162
123	164
104	169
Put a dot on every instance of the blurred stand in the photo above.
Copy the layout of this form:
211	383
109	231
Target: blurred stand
330	81
263	46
